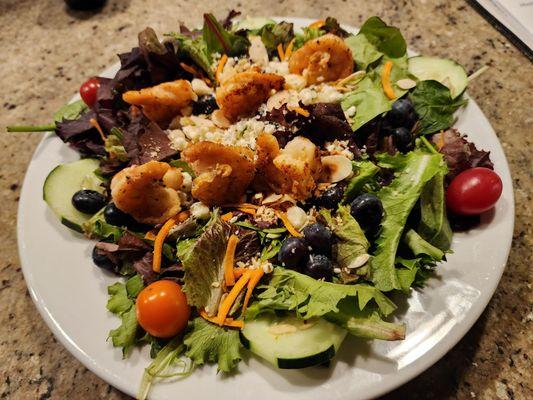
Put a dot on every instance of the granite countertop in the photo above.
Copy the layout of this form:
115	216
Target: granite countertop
47	52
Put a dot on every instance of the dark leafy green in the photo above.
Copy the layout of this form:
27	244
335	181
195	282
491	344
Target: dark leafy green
387	39
274	34
219	40
434	105
365	172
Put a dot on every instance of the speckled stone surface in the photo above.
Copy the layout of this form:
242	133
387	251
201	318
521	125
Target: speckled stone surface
47	52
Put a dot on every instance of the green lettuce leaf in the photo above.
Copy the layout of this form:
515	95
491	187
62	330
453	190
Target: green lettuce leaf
365	324
196	50
122	303
207	342
386	39
219	40
351	241
202	261
113	145
364	53
434	105
274	34
71	111
97	227
413	171
414	272
291	291
365	171
420	247
434	225
305	35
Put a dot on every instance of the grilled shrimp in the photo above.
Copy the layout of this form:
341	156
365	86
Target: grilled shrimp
162	102
243	93
323	59
223	172
292	170
148	192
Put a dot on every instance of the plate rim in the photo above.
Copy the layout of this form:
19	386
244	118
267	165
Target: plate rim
394	381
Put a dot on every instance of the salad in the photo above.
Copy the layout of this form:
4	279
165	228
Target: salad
266	190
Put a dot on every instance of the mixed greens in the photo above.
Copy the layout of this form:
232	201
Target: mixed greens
275	190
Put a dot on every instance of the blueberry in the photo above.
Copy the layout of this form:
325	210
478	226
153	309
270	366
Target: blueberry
368	211
319	267
114	216
402	113
293	253
318	237
88	201
331	197
402	139
101	260
205	105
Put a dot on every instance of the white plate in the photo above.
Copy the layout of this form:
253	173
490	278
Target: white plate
70	294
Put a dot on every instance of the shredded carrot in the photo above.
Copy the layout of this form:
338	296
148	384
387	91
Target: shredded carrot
281	215
300	111
252	283
281	54
189	68
385	80
225	307
238	272
243	205
229	260
150	235
227	322
317	24
95	123
161	236
249	211
441	141
288	51
226	217
220	66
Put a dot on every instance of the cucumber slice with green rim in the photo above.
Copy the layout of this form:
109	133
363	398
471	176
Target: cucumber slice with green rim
447	72
292	343
61	184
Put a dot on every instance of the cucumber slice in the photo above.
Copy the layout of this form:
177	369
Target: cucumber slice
447	72
291	343
253	23
61	184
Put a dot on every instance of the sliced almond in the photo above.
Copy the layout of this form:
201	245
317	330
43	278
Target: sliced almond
219	119
277	100
406	84
297	217
336	168
272	198
359	261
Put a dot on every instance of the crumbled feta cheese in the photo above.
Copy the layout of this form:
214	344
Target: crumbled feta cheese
278	67
339	147
200	211
257	51
186	186
177	139
200	87
295	82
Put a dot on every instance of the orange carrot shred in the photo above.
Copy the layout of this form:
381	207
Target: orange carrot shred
229	260
225	307
288	51
252	283
281	54
189	68
95	123
249	211
238	272
226	217
299	110
227	322
317	24
220	66
150	235
161	236
281	215
441	141
245	205
385	80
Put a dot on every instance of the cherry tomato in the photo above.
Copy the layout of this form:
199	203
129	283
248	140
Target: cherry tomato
162	309
88	91
474	191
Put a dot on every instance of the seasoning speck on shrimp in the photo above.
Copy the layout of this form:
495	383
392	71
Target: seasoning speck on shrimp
323	59
243	93
148	192
162	102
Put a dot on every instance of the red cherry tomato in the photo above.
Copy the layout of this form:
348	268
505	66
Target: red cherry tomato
88	91
162	309
474	191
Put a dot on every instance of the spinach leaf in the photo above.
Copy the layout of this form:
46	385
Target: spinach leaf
434	225
364	53
386	39
434	105
365	171
413	171
219	40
